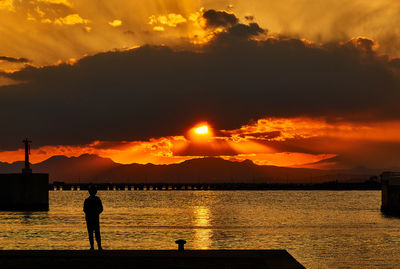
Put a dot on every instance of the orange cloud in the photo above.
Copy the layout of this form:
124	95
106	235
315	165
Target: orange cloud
157	151
58	2
158	29
290	18
281	129
171	20
7	5
115	23
71	19
257	142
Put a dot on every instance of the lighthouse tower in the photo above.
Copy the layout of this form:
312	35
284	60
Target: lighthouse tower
27	168
25	191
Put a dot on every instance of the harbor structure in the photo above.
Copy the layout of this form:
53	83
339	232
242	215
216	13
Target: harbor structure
24	191
190	259
390	192
27	168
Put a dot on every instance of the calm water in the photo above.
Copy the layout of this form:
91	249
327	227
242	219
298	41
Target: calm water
321	229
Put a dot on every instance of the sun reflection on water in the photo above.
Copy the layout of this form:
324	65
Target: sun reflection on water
203	231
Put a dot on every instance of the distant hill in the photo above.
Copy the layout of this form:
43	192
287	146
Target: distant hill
92	168
85	167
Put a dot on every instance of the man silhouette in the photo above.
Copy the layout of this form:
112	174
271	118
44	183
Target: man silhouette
92	208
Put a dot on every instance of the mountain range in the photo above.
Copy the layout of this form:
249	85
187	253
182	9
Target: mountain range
92	168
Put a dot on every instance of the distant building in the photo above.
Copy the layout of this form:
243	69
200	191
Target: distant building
390	192
26	191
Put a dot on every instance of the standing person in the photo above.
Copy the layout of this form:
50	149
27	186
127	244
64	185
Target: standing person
92	208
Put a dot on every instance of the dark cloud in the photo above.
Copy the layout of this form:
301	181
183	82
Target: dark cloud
118	145
14	60
249	17
242	31
362	43
356	153
219	18
155	91
263	135
395	63
235	31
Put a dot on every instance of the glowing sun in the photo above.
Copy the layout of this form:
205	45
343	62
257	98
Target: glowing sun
201	130
201	133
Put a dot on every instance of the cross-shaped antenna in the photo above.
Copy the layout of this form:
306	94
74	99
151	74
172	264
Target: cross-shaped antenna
27	168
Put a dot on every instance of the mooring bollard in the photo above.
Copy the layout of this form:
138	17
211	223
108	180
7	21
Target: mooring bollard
181	244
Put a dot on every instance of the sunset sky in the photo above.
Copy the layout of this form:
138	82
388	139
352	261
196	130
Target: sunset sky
301	83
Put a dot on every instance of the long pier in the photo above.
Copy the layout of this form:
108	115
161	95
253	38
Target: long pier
57	186
190	259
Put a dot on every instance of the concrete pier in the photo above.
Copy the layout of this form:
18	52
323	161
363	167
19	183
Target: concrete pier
390	193
24	192
199	259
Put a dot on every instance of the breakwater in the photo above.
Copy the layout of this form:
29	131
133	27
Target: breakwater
25	191
234	259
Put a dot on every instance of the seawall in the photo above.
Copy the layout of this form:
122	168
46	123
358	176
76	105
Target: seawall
199	259
24	192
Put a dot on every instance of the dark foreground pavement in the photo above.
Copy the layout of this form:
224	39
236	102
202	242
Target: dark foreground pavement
114	259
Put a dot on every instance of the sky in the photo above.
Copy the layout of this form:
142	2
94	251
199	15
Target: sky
299	83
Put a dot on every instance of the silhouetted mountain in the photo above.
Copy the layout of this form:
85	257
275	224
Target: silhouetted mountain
337	162
10	168
83	168
92	168
340	165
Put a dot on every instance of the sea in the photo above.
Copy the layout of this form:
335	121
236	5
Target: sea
321	229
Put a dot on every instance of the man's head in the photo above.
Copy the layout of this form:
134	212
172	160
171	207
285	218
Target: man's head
92	190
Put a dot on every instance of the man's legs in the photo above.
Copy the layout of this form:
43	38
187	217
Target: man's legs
90	233
98	237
